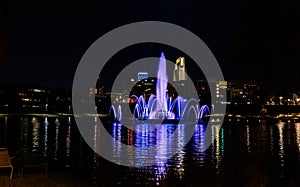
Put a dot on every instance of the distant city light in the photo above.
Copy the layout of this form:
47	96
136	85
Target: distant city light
37	90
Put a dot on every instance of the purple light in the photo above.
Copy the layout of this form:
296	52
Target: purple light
161	85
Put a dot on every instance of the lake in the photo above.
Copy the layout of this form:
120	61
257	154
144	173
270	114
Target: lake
242	152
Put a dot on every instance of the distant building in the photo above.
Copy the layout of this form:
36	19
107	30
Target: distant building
235	92
296	99
179	72
25	99
244	92
142	76
221	91
31	99
145	86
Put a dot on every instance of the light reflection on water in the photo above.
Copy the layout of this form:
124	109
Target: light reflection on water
59	140
217	145
199	143
46	123
248	138
56	146
281	142
297	134
68	140
271	150
35	133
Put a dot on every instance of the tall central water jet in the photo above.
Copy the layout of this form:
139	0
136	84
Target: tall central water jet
161	88
160	106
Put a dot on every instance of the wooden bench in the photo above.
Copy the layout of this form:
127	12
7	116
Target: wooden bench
5	161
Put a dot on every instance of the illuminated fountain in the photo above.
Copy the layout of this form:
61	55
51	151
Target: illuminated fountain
161	91
161	106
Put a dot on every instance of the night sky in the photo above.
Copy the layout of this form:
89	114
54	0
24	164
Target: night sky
42	42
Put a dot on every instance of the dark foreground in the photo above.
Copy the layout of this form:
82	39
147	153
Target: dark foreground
40	180
243	153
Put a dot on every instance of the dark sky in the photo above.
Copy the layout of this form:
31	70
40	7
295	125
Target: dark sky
42	42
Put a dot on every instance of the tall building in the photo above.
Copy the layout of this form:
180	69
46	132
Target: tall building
179	73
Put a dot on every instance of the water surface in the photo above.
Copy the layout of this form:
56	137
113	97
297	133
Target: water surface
266	153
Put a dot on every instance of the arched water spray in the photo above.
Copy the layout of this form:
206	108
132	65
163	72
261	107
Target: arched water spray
190	103
204	110
119	117
112	113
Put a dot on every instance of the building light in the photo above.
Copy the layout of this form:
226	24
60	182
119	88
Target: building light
179	72
37	90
